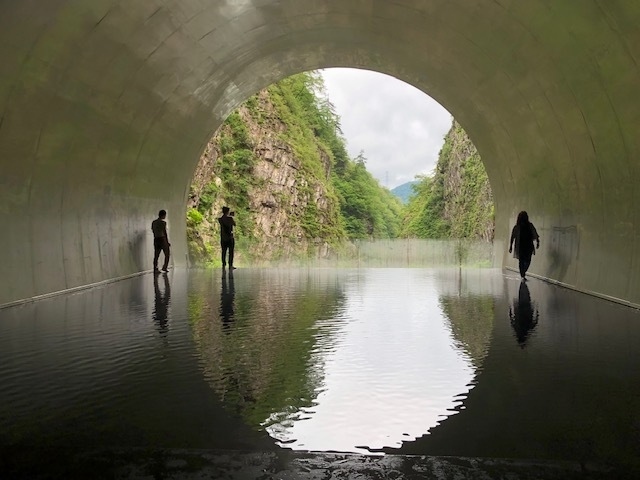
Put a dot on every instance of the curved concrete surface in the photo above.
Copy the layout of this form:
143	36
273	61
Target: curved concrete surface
105	106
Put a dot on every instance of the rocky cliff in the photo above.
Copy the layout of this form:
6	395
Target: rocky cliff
468	205
285	205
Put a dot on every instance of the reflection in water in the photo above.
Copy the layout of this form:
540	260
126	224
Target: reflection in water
258	358
471	319
84	371
467	299
308	357
523	315
570	394
227	294
162	298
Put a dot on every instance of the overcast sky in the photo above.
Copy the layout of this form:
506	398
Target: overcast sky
400	129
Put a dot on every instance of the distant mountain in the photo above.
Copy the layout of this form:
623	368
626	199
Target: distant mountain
404	191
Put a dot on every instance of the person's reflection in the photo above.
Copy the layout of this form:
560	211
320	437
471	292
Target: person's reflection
161	305
227	298
523	315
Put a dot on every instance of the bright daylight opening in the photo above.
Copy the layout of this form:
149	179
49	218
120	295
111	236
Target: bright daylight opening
343	168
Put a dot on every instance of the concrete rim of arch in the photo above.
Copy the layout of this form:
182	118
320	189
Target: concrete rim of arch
105	106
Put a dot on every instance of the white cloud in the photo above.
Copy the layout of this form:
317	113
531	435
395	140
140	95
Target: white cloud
400	128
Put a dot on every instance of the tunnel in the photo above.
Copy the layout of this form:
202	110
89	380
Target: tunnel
106	105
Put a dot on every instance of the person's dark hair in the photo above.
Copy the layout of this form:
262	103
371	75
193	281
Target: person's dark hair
225	210
523	218
162	213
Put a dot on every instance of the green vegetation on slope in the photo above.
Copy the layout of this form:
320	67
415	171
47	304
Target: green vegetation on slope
235	162
306	123
455	202
368	210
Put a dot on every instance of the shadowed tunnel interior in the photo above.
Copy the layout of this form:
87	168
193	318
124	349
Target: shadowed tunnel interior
105	106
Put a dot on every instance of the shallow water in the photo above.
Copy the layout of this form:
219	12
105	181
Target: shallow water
425	361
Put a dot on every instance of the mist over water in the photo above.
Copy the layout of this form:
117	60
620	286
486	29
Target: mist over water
398	253
439	361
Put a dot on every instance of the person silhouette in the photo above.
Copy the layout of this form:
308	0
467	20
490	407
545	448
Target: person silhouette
160	241
161	304
227	299
227	241
523	234
523	315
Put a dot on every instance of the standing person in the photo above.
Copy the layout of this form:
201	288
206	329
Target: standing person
523	234
160	241
227	242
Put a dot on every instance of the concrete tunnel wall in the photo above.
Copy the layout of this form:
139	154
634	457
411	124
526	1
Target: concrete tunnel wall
105	106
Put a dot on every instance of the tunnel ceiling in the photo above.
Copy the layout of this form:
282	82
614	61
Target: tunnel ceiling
106	105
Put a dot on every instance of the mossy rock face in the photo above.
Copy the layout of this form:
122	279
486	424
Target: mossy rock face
198	253
456	202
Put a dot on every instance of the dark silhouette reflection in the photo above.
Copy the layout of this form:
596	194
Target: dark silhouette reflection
523	315
161	303
227	298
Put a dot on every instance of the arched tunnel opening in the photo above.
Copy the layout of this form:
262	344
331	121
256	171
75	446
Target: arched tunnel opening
105	108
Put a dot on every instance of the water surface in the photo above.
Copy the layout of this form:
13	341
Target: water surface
428	361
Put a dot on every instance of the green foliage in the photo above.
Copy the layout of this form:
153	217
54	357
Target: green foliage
235	166
252	104
424	214
456	201
225	143
368	209
238	130
207	197
295	105
194	217
365	208
199	251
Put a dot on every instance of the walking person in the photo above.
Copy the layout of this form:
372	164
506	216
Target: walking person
160	241
227	242
523	235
